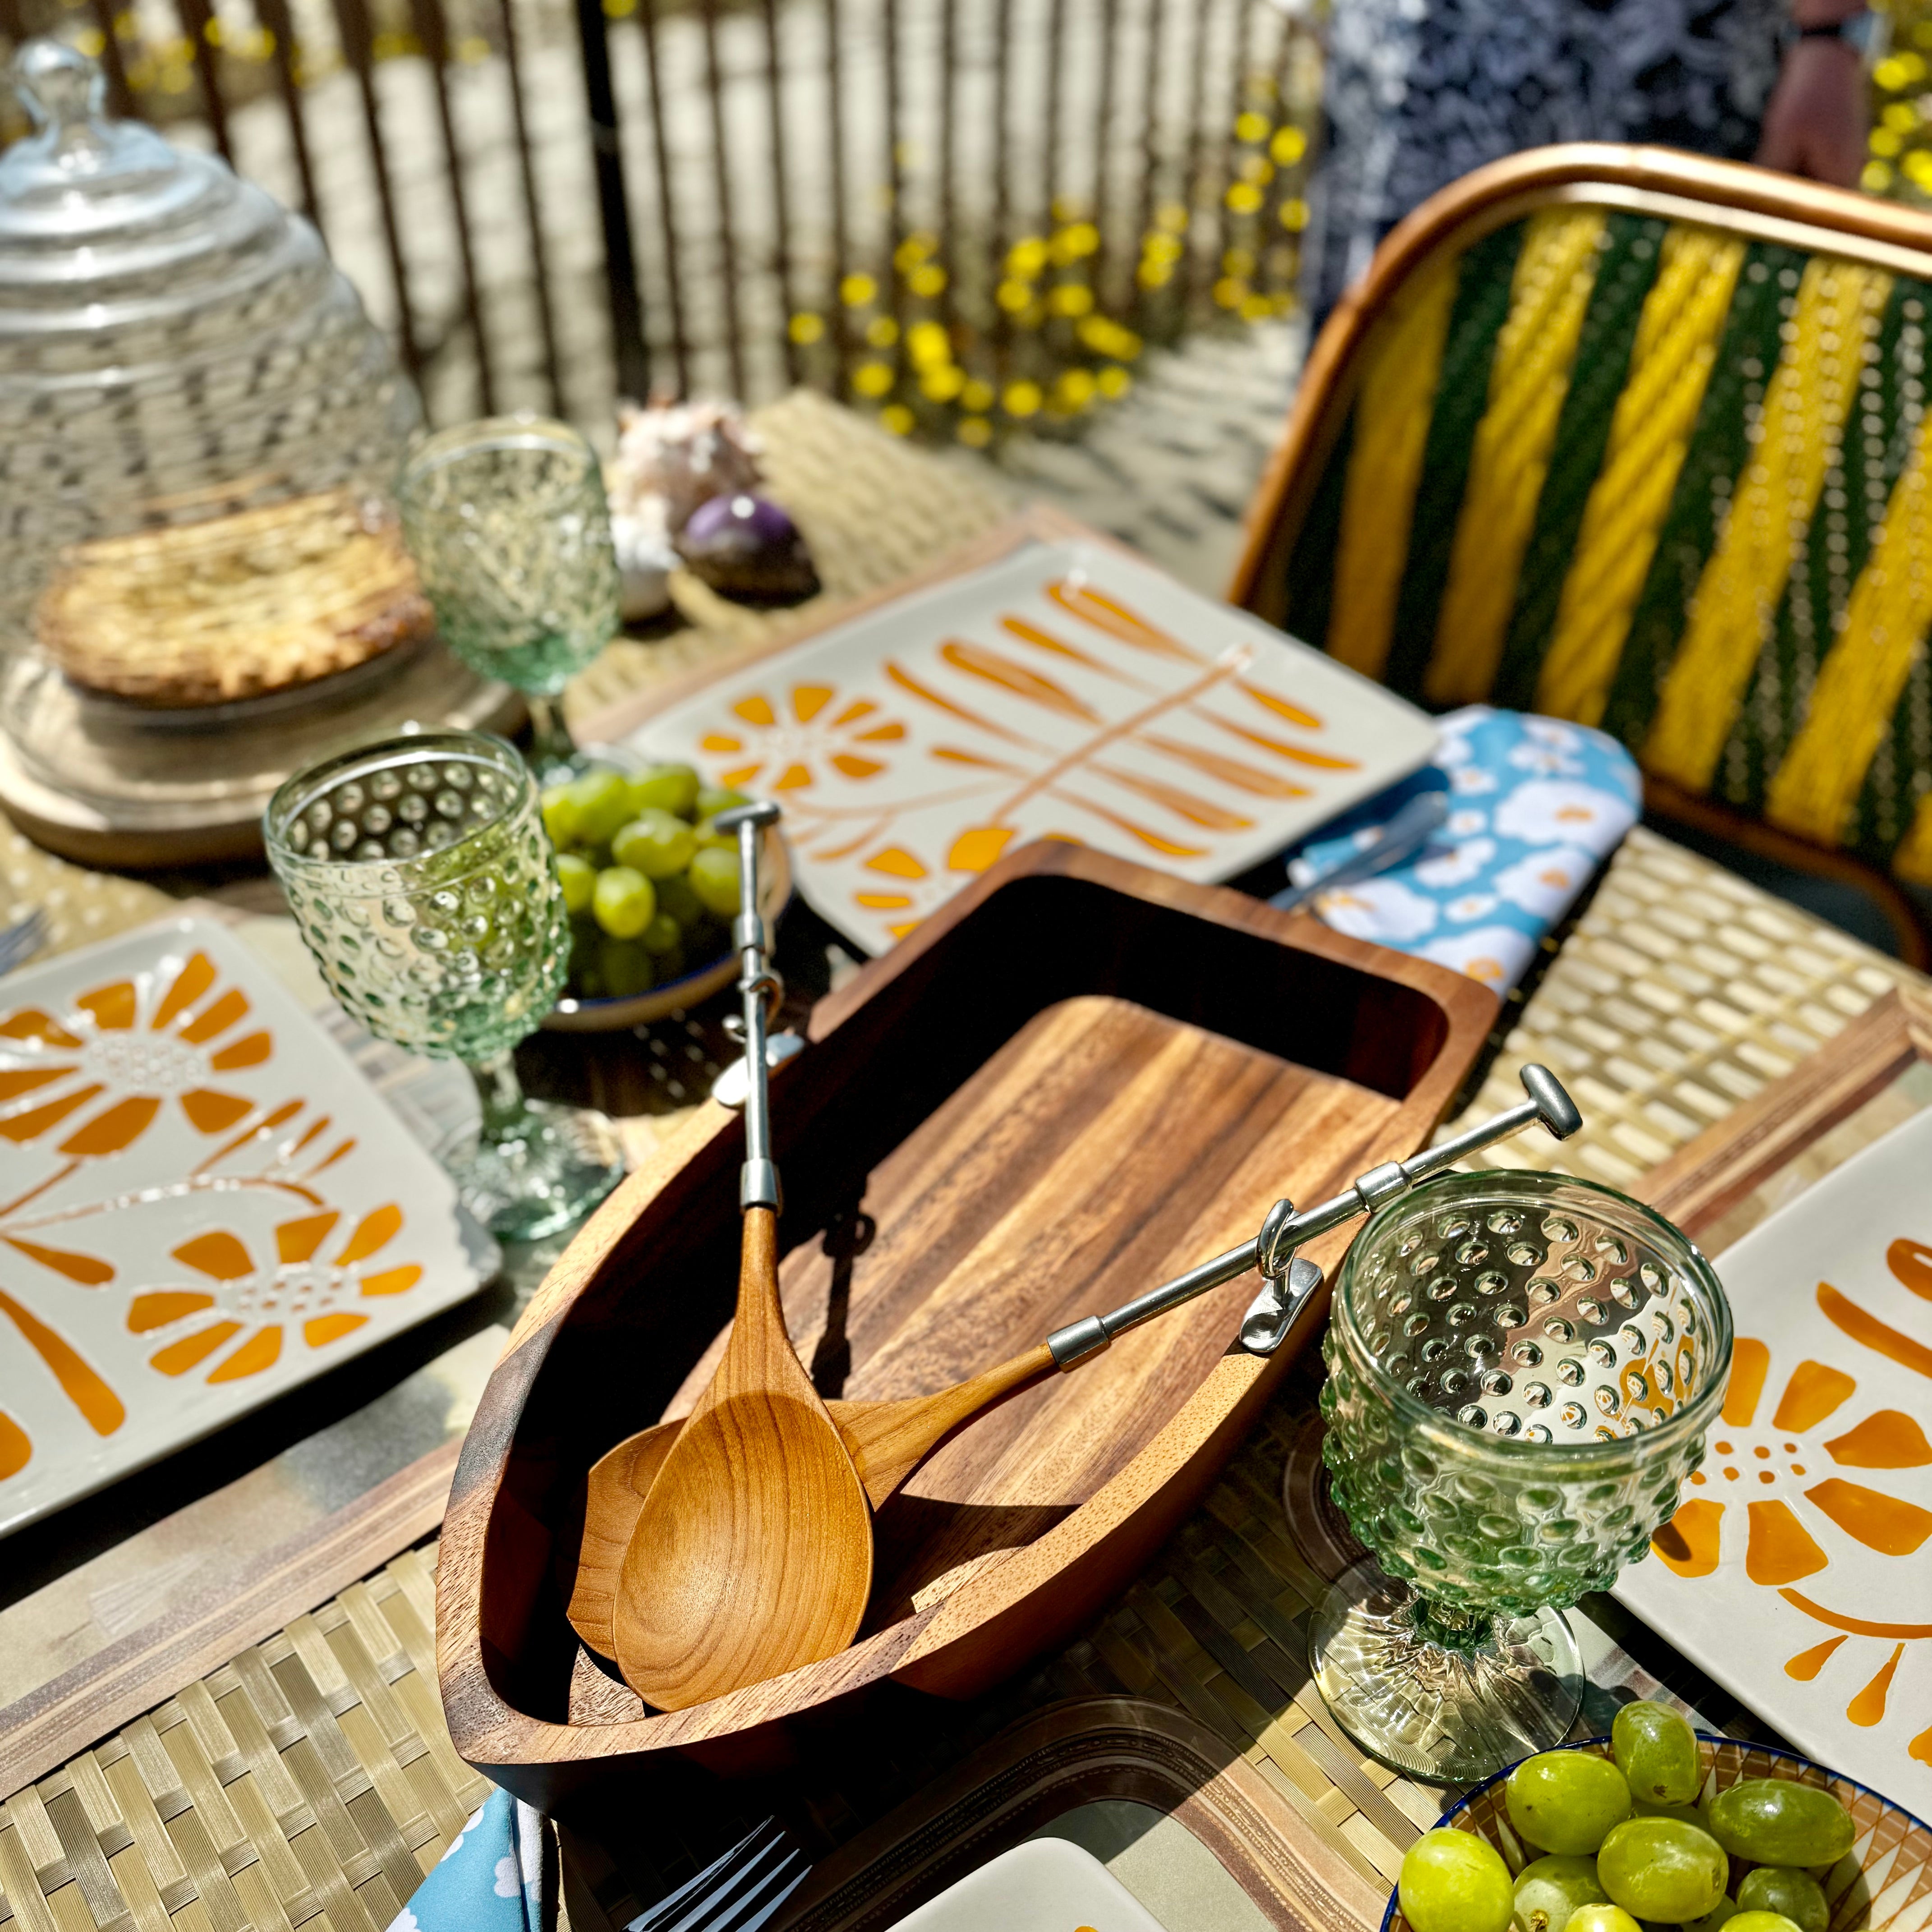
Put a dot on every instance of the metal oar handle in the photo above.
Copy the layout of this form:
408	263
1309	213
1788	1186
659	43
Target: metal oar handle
759	988
1290	1280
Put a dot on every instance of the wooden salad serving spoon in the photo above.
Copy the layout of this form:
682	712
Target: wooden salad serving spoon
887	1440
752	1552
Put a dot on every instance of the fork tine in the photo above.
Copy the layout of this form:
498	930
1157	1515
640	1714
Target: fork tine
720	1870
747	1913
22	940
719	1901
737	1892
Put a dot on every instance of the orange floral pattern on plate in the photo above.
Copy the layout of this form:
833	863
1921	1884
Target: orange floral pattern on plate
262	1300
99	1074
1780	1471
125	1099
787	744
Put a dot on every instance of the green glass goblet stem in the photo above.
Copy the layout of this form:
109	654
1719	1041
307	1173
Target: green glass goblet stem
419	874
507	521
1522	1368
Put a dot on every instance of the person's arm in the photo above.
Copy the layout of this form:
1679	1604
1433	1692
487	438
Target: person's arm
1817	121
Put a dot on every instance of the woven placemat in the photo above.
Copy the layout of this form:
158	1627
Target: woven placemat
311	1782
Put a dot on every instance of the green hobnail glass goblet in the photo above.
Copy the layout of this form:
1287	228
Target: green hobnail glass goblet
1521	1369
508	523
420	875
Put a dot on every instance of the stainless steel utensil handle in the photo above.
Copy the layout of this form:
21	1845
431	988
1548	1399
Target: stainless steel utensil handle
1547	1103
758	1181
1403	837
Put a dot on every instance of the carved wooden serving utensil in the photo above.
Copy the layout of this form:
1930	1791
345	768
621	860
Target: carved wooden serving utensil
752	1552
887	1440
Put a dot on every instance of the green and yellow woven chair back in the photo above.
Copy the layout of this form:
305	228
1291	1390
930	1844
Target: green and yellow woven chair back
1629	437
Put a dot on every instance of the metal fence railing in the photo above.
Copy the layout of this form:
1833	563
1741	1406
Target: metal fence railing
963	214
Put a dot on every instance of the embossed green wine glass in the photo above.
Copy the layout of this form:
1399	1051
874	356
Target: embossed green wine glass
1521	1369
419	874
508	523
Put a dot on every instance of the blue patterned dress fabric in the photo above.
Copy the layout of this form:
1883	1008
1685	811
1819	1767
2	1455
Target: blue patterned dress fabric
1535	806
492	1879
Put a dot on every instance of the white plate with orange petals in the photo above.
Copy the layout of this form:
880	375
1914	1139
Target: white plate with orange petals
1066	691
1798	1569
202	1205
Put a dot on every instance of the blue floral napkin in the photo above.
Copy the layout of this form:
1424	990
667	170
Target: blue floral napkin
492	1879
1534	807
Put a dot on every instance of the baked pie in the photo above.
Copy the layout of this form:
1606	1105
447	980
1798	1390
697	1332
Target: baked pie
235	606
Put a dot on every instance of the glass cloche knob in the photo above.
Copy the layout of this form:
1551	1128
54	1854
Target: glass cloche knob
58	85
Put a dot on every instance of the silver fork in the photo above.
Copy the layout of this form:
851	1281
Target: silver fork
21	940
737	1892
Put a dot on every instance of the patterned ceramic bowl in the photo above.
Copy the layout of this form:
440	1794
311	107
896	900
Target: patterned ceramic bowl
1882	1884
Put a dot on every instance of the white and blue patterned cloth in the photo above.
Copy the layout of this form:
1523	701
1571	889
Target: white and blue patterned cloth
491	1879
1534	807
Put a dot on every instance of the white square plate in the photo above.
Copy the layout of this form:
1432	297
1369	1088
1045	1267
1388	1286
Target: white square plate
1066	691
1046	1885
202	1205
1798	1569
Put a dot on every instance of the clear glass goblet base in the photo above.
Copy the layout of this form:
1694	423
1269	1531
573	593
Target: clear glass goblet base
535	1167
1451	1711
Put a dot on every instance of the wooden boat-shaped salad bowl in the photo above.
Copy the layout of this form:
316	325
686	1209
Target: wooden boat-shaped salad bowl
1079	1078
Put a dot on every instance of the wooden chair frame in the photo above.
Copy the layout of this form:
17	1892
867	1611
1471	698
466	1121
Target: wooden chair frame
1750	202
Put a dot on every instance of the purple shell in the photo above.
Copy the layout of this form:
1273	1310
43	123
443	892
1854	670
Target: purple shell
746	547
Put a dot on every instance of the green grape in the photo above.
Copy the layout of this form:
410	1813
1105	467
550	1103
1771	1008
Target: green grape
1781	1888
657	844
1661	1868
1564	1801
1774	1821
672	788
626	967
560	815
663	933
1720	1914
1759	1922
713	874
676	897
602	802
715	798
709	835
623	904
1548	1890
1454	1882
1656	1750
1602	1918
578	878
1686	1814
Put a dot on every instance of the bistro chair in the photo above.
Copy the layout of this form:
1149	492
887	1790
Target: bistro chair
1629	437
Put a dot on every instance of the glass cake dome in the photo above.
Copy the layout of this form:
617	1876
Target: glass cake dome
198	430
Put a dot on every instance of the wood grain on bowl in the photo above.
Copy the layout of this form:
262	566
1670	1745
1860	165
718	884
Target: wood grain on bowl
1079	1078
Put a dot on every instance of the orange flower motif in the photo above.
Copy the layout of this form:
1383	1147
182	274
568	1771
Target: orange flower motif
258	1302
788	744
107	1050
1778	1465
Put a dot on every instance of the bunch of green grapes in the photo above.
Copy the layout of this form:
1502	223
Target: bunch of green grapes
651	884
1627	1842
